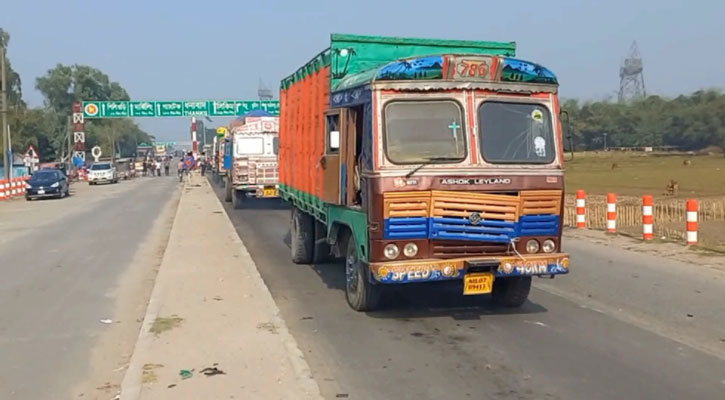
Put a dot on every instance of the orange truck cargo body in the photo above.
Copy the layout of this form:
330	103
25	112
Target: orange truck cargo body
307	101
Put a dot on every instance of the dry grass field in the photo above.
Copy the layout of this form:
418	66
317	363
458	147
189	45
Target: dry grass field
636	174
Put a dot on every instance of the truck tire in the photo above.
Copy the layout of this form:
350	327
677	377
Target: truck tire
238	199
321	250
511	292
360	292
302	237
228	191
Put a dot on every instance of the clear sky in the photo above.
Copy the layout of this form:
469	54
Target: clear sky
194	49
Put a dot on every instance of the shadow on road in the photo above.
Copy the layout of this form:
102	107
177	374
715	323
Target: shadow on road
425	300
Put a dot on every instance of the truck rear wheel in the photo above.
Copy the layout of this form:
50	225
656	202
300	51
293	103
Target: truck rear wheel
228	190
238	199
511	292
302	237
361	293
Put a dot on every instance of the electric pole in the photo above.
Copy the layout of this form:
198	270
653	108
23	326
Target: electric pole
4	110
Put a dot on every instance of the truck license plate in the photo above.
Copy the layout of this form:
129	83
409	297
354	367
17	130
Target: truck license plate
270	192
478	283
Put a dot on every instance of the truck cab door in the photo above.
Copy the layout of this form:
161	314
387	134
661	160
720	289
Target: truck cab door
330	161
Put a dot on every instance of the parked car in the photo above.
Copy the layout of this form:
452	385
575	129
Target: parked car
102	172
47	183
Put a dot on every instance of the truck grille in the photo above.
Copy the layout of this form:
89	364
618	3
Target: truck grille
451	216
466	216
458	249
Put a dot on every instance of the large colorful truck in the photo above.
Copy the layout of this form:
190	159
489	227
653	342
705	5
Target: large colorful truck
252	152
424	160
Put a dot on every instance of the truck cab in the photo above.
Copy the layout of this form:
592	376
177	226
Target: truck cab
254	170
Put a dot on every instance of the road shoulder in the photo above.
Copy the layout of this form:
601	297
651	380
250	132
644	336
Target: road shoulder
211	309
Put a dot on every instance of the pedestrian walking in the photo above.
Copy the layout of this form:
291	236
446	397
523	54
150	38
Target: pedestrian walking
145	166
167	164
158	167
180	169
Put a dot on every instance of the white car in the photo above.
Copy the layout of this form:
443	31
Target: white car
102	172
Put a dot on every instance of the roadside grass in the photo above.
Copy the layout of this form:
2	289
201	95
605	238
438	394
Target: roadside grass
636	174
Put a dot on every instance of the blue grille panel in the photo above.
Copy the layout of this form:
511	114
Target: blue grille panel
462	229
406	228
538	225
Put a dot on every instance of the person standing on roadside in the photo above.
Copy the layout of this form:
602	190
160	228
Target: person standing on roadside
167	164
202	163
157	164
180	168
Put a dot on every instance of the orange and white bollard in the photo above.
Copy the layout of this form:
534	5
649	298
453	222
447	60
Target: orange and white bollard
3	189
581	209
647	217
691	221
611	212
13	187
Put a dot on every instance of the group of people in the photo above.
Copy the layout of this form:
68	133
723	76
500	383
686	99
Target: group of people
189	162
153	166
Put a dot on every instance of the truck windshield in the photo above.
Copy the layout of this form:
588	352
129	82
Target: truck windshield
248	146
419	131
516	133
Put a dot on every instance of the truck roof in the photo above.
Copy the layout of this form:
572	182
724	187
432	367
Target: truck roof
350	55
460	69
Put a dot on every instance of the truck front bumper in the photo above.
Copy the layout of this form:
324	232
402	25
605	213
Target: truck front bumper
267	191
441	270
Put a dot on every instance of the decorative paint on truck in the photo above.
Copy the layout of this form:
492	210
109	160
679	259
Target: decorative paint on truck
422	160
253	150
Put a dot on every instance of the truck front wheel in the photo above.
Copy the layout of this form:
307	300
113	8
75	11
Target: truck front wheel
361	294
238	198
302	237
228	189
511	292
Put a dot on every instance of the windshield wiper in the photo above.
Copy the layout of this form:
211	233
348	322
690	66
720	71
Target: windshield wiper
429	161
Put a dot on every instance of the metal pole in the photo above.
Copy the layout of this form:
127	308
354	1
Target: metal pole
4	99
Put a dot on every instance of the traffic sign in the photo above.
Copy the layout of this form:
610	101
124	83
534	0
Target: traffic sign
225	108
96	152
221	131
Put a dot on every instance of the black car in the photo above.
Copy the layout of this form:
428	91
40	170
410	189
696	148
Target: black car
47	183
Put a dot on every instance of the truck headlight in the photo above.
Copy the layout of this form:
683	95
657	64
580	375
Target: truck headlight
548	246
410	250
532	246
391	251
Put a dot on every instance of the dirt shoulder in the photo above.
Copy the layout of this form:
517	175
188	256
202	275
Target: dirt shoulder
657	247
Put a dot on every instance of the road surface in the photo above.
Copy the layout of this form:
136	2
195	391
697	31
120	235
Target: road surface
60	263
623	326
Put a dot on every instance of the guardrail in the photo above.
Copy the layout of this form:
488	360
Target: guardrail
647	217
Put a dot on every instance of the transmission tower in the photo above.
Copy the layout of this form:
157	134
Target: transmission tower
631	76
264	92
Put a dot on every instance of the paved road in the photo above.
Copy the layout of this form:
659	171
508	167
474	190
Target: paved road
59	263
618	328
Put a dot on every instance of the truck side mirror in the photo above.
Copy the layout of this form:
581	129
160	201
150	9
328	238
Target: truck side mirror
334	140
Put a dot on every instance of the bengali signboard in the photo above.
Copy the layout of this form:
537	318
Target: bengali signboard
211	108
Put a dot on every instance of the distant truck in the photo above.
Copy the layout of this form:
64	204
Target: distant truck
252	151
420	160
218	159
